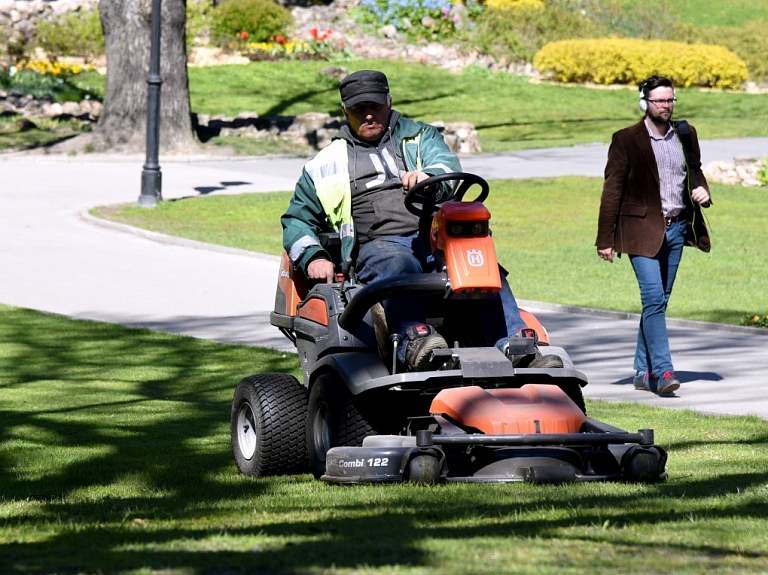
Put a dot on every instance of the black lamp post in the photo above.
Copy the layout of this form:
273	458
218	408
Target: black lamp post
151	178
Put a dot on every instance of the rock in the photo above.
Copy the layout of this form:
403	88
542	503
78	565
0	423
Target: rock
209	56
460	137
53	110
335	72
743	171
71	108
388	31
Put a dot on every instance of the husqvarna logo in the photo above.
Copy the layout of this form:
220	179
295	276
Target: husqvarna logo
475	258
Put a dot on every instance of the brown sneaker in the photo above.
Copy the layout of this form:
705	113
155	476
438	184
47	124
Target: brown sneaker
423	339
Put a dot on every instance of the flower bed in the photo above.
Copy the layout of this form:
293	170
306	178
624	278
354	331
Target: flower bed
755	320
322	46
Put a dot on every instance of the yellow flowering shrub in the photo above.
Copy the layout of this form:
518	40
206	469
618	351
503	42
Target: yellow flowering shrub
630	61
54	68
518	4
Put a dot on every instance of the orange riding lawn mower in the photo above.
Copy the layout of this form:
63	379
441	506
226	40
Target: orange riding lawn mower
362	417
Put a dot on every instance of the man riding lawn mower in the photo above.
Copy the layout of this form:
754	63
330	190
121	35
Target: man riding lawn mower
471	412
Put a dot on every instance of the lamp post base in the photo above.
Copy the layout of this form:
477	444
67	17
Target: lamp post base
151	188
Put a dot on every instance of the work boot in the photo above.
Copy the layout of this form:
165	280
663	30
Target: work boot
546	361
523	351
422	340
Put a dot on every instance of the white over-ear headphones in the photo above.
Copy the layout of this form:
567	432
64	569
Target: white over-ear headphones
642	103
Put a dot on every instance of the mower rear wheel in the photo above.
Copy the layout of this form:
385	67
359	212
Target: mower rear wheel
269	412
332	420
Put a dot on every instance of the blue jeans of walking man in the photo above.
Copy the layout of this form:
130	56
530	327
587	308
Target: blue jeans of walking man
656	276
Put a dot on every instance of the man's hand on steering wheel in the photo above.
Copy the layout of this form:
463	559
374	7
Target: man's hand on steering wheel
321	269
410	179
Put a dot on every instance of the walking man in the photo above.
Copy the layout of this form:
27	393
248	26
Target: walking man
650	208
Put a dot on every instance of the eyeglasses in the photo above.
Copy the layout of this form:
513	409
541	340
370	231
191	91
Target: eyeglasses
663	102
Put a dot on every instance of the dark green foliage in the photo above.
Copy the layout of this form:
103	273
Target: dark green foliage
76	34
259	19
754	320
57	88
516	34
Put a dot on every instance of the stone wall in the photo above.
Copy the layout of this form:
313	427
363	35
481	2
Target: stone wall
741	171
313	129
316	129
27	106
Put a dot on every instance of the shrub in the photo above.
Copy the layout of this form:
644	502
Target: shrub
754	320
77	34
44	80
258	19
516	34
198	23
748	42
629	61
762	172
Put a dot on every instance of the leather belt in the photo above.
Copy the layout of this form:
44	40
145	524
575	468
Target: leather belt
672	220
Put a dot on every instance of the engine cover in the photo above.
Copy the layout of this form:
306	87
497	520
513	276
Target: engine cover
533	408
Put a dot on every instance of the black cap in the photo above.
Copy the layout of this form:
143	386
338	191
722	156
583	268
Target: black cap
364	86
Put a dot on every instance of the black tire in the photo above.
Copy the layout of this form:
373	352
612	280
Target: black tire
423	469
574	393
269	413
332	420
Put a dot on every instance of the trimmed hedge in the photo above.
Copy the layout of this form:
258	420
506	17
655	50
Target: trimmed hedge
630	61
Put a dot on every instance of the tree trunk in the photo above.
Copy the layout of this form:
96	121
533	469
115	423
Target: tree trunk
127	34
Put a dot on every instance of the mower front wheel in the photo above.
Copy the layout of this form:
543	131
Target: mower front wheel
332	420
269	412
424	469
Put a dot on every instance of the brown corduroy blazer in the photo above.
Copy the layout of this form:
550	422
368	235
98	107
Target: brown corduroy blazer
631	220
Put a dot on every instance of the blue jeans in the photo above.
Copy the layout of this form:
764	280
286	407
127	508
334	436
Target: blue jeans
393	255
656	276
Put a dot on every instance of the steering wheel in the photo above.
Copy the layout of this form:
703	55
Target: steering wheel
426	203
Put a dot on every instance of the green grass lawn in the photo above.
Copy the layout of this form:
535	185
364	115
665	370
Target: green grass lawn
509	112
544	231
709	13
115	458
730	13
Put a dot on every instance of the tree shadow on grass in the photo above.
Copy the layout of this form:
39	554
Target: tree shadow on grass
115	456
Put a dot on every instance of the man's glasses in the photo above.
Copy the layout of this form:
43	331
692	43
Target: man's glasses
663	102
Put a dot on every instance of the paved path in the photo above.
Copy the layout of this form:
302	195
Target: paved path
54	258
